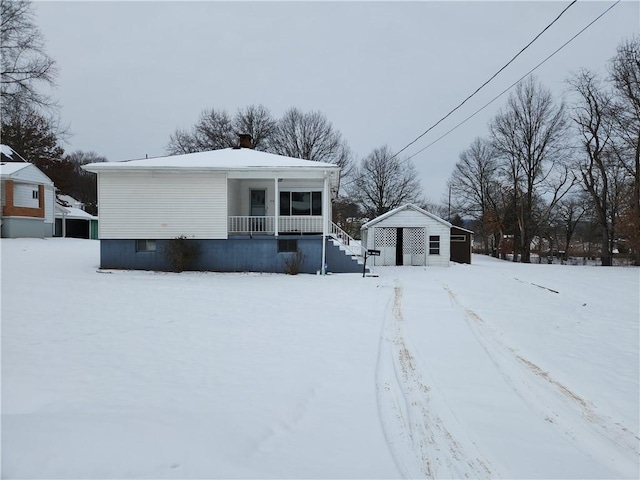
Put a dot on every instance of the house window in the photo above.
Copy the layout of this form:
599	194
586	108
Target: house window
458	238
288	246
300	203
145	245
34	194
434	244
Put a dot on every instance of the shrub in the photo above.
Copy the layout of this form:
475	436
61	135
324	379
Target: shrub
293	262
181	253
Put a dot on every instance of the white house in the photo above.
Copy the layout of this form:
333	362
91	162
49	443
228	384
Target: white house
28	198
408	235
247	210
72	220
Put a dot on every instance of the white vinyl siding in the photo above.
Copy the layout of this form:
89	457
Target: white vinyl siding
442	231
49	205
32	174
162	205
23	195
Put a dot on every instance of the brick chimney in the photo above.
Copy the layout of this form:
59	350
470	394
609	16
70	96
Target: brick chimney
245	140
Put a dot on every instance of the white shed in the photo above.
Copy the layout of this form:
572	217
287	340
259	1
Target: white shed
408	235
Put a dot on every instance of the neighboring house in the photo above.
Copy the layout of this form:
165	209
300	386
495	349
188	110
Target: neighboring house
247	210
461	244
73	221
27	198
408	235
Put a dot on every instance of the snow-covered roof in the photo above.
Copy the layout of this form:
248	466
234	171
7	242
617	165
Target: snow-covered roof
8	154
460	228
408	206
223	159
68	201
73	213
24	173
8	169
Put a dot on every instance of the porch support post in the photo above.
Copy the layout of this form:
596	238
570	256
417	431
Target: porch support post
276	205
325	220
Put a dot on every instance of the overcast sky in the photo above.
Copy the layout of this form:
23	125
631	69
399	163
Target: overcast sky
382	72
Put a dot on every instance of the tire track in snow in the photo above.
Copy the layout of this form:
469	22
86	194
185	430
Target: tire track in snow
411	411
574	417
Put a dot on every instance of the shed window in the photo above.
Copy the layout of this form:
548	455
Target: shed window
287	246
434	244
145	245
34	194
300	203
458	238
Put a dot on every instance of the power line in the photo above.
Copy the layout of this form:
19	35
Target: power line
514	83
485	83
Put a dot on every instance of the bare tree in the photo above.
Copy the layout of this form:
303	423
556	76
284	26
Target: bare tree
216	129
24	64
311	136
472	185
529	136
564	220
594	116
625	75
257	121
383	183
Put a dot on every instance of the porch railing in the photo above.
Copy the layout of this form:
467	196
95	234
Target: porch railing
266	225
353	246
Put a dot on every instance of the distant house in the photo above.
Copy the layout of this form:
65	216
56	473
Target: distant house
408	235
27	198
246	210
72	220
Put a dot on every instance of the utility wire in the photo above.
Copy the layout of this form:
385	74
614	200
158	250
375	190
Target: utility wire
485	83
514	83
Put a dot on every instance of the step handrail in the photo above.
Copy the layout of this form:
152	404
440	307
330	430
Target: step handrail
346	240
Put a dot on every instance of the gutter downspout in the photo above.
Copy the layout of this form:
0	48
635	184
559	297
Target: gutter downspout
324	223
276	204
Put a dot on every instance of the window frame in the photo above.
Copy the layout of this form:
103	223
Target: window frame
459	238
434	244
287	245
144	245
287	203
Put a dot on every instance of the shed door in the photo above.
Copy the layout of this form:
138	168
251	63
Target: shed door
385	240
414	246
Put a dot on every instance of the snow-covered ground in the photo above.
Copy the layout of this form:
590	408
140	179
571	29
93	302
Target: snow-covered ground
486	370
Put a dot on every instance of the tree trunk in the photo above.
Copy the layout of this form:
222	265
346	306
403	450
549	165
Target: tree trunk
606	252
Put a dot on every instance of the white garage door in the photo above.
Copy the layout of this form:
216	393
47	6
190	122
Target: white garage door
385	240
413	246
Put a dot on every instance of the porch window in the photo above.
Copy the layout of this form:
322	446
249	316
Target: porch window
434	244
145	245
300	203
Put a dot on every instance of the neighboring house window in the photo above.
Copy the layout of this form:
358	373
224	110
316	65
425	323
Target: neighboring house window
434	244
458	238
34	194
300	203
145	245
287	246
